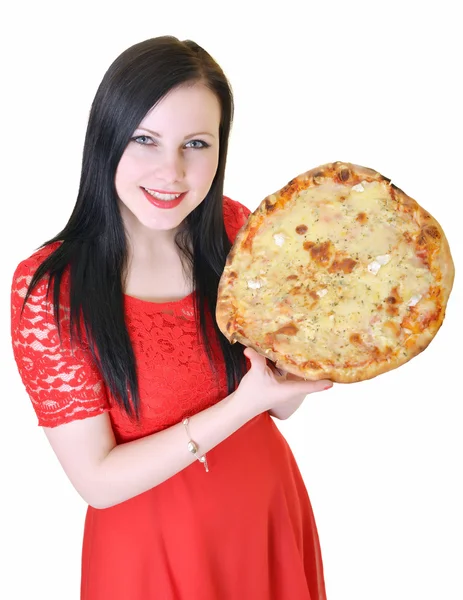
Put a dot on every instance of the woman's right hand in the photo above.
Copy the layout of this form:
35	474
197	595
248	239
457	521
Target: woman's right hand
268	391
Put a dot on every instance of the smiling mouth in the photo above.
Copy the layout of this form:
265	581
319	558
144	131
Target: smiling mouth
163	199
163	195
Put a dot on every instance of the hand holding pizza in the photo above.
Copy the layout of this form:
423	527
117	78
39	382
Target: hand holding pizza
270	391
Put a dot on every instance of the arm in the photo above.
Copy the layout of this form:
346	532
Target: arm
105	473
70	401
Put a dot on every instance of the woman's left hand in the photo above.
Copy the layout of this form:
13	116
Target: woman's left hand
290	408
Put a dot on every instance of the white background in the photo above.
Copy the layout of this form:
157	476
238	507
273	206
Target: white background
374	84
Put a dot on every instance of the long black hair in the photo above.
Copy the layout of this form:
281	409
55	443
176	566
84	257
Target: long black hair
93	243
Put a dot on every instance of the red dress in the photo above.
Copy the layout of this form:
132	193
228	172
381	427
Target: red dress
243	531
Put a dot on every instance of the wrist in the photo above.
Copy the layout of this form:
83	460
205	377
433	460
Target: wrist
246	406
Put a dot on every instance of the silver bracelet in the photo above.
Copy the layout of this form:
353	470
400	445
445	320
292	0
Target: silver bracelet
193	447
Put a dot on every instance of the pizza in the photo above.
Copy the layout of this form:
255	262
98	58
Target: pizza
339	275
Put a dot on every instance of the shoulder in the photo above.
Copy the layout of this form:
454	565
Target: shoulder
27	267
235	216
23	275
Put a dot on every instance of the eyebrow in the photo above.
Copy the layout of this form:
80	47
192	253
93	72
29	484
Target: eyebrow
156	134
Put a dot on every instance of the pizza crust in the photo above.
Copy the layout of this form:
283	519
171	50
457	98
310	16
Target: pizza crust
431	245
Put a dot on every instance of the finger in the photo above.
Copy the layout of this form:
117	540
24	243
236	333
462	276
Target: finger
258	361
310	387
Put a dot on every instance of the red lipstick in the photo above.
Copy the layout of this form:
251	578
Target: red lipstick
163	203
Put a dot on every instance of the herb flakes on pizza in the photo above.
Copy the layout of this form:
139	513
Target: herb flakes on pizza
339	275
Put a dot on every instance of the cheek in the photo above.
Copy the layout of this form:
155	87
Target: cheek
131	166
206	168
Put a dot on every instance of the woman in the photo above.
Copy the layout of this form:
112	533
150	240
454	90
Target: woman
156	419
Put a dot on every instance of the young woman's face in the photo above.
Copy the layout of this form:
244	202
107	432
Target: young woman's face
171	160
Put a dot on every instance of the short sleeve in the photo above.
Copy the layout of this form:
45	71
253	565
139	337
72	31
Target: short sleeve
63	382
235	216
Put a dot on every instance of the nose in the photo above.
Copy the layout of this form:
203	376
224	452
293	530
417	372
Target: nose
170	167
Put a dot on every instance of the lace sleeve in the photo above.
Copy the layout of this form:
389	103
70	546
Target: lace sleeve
235	216
63	383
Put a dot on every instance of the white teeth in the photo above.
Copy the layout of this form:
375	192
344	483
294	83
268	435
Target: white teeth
159	196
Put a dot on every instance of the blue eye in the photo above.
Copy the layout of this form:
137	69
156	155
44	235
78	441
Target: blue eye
197	144
143	140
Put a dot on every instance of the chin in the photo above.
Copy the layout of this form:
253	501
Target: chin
161	224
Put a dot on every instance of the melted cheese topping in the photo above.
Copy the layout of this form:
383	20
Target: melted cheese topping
331	276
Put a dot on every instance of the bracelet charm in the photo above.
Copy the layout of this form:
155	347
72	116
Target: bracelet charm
193	447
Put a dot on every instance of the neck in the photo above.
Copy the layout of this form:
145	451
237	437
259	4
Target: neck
146	243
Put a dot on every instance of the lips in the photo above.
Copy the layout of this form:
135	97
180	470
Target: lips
163	199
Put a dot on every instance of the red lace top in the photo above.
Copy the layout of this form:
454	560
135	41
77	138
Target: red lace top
63	381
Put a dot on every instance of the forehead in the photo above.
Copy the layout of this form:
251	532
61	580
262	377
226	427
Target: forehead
193	107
